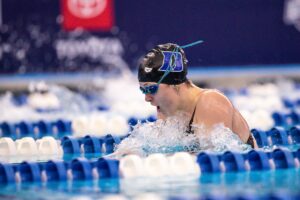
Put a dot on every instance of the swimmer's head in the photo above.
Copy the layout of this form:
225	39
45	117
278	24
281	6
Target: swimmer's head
164	57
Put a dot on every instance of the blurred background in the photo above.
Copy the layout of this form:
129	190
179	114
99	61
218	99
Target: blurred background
68	80
81	56
56	40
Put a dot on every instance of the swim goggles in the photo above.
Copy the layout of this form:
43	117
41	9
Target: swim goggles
152	89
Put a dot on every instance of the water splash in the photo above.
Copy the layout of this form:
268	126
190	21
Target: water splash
71	103
9	112
170	135
219	139
115	94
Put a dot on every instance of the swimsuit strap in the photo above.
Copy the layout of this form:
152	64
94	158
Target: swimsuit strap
191	121
250	141
189	130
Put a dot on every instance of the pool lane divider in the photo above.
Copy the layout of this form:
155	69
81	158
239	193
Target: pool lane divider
39	129
47	147
57	129
277	136
155	165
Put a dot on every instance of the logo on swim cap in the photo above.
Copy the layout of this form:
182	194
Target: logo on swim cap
172	59
148	69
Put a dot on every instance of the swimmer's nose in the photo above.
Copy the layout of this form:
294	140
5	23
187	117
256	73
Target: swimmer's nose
148	97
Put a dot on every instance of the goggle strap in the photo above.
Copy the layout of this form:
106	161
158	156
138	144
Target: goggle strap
191	44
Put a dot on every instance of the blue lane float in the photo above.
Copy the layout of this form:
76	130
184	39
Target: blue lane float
283	159
293	118
107	168
233	162
294	132
103	108
26	129
81	169
278	136
70	145
279	119
132	121
288	103
8	130
56	171
92	144
296	154
286	119
44	128
7	174
209	163
63	127
258	160
260	137
151	119
110	142
29	172
19	100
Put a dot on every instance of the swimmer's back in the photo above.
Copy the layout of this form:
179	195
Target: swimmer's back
215	108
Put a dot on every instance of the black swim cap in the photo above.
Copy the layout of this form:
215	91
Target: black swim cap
157	62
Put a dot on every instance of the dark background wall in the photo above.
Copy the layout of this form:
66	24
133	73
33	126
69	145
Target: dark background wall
235	32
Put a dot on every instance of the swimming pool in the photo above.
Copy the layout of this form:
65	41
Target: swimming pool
79	172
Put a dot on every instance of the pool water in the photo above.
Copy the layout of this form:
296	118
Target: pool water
231	185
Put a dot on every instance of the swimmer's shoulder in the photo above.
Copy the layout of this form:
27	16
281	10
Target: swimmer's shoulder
213	108
213	97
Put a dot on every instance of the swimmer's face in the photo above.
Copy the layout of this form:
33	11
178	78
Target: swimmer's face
165	99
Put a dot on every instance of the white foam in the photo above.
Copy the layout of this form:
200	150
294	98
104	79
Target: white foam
261	119
116	92
170	136
117	125
43	101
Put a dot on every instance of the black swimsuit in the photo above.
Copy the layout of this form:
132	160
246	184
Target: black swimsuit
189	129
250	140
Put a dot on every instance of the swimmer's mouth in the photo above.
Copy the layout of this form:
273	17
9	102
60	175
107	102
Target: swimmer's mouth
158	108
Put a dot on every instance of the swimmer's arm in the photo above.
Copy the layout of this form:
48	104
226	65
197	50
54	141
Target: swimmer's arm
213	108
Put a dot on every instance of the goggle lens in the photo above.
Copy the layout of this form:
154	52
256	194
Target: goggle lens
150	89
